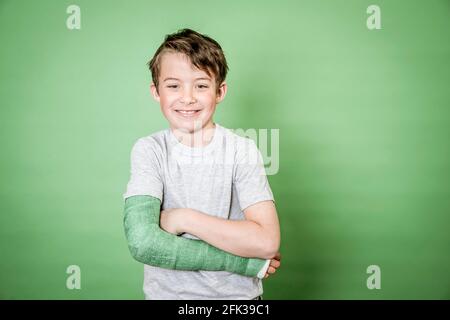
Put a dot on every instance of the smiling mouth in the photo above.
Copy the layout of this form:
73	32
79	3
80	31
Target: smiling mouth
187	113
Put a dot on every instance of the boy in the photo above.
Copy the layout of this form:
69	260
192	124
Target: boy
199	211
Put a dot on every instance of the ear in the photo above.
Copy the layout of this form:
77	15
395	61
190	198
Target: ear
154	91
221	92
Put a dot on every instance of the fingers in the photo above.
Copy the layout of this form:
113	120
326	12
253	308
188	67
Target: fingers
275	263
270	270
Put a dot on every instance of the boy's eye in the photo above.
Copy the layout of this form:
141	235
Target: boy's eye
201	86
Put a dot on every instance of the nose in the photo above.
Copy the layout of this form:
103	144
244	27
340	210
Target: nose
188	97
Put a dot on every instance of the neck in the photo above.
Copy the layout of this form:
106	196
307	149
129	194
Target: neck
196	138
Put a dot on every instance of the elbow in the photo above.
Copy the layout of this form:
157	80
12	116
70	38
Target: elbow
135	243
136	251
270	248
140	246
147	249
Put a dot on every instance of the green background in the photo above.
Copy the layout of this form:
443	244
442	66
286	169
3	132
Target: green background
364	123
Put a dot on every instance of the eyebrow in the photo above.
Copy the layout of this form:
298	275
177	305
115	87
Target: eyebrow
201	78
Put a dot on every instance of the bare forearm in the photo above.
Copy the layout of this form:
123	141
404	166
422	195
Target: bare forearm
240	237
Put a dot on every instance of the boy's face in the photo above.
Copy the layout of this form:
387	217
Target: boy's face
187	95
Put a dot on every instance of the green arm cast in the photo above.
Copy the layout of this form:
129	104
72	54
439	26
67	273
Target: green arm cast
151	245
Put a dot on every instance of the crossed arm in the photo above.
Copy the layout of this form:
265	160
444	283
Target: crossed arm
256	236
149	244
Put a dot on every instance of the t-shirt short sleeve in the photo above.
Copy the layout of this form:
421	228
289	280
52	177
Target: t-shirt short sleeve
145	173
250	177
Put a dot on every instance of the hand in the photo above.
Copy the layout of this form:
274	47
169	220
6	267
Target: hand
275	263
170	221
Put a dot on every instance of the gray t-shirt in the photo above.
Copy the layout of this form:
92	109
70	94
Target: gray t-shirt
220	179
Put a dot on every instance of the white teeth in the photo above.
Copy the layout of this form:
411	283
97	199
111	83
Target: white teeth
187	112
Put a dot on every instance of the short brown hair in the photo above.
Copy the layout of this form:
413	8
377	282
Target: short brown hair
204	53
